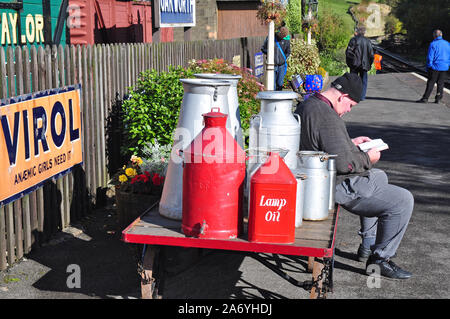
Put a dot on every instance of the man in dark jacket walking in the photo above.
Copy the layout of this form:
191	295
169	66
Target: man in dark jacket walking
384	209
438	61
359	57
281	54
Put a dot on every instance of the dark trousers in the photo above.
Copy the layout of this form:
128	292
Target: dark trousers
363	75
433	77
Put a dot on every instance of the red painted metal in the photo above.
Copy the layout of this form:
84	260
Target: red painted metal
213	178
273	194
113	21
238	244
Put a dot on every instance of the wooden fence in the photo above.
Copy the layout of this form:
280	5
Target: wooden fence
103	71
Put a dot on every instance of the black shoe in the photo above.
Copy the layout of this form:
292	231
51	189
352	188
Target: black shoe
363	253
422	100
437	101
386	268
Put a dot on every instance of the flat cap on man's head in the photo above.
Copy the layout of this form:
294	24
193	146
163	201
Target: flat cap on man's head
351	84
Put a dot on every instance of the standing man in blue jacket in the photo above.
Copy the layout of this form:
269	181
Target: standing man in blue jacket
438	61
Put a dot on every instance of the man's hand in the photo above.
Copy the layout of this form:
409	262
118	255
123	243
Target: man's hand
374	155
361	139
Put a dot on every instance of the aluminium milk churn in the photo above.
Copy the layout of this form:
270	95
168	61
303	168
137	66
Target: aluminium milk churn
233	102
276	126
300	197
200	95
317	185
213	181
272	203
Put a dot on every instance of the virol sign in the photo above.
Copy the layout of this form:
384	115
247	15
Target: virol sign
40	138
272	198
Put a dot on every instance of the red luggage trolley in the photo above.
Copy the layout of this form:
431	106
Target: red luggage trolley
314	239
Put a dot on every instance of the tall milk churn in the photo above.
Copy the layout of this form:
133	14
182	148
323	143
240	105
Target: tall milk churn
213	181
200	95
233	103
272	203
276	125
317	184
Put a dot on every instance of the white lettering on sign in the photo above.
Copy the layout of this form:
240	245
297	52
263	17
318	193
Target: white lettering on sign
275	202
34	29
272	216
177	6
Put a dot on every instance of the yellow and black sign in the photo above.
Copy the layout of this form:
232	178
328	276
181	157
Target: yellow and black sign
40	138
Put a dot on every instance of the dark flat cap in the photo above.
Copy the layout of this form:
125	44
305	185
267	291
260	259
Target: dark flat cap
351	84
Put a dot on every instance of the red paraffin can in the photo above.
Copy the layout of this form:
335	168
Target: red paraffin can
273	191
213	178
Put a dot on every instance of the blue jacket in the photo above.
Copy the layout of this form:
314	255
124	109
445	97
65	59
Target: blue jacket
439	55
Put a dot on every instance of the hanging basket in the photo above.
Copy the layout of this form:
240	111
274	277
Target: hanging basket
271	11
131	205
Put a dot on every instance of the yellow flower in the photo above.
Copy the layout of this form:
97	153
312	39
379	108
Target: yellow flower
123	178
131	172
136	160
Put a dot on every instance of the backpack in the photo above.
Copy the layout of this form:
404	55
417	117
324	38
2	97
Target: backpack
353	54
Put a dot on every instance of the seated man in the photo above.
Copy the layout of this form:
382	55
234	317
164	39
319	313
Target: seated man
384	209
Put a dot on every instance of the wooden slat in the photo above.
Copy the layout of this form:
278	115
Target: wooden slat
17	205
10	236
25	201
91	151
3	261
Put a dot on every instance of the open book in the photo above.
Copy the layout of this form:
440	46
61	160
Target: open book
377	143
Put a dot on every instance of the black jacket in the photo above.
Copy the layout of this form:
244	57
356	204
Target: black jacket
323	130
278	57
359	53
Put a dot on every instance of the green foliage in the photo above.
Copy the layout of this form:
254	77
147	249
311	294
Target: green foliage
333	62
331	34
248	86
420	18
392	25
151	111
294	16
304	58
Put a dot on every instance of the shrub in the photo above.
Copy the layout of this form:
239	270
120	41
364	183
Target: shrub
294	16
304	58
392	25
248	87
331	33
151	111
333	62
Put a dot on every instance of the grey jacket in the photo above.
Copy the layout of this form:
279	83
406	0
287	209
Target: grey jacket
323	130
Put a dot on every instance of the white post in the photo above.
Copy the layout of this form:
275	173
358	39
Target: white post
309	29
270	77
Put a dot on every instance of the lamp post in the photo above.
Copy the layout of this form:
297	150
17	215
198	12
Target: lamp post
312	11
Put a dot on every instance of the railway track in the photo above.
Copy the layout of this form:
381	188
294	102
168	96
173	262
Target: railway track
393	63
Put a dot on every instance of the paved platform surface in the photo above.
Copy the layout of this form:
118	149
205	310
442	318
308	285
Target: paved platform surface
418	159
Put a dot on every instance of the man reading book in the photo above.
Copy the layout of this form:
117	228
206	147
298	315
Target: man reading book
384	209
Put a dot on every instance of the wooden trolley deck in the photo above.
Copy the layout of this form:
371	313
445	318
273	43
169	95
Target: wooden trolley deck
314	239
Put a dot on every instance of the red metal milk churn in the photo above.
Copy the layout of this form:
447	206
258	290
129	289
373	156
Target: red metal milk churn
273	195
213	180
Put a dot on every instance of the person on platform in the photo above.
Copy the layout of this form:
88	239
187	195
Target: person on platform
438	62
384	209
359	57
282	51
